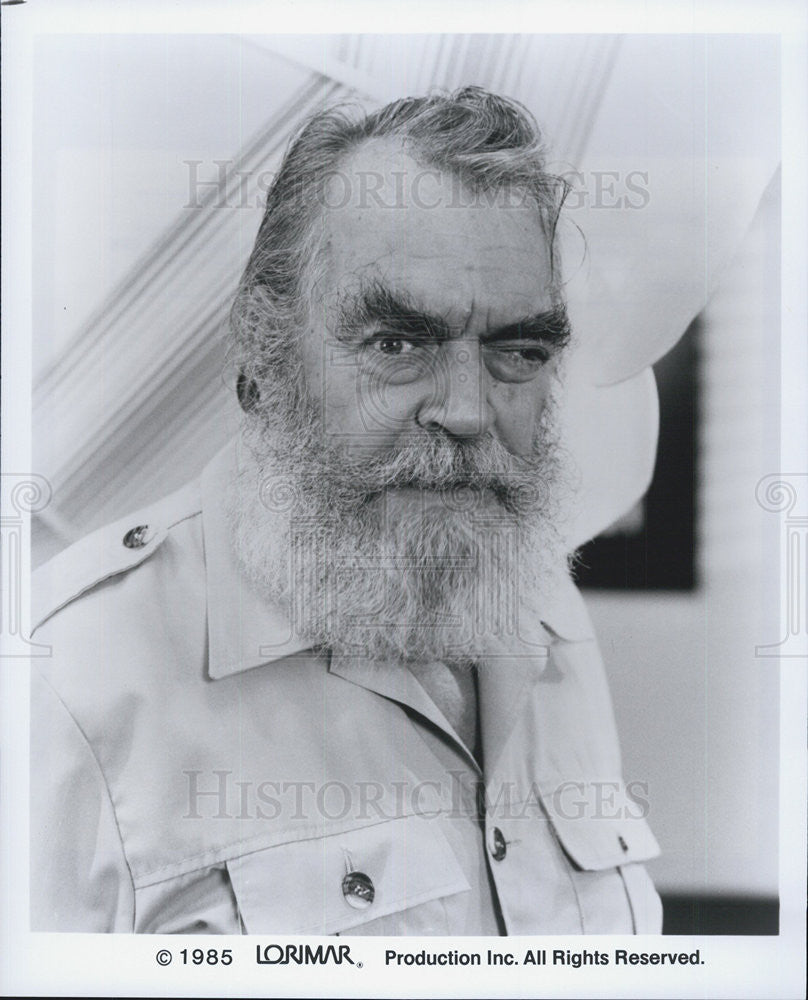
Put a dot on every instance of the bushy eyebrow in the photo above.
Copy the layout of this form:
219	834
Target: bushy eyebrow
377	305
550	327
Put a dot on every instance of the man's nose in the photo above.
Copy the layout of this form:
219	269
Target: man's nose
456	400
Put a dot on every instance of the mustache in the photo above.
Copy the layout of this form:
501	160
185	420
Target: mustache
466	472
438	462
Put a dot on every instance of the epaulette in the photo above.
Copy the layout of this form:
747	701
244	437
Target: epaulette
114	549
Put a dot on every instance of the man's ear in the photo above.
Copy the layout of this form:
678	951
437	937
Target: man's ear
247	392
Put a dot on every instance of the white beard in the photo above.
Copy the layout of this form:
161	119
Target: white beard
442	571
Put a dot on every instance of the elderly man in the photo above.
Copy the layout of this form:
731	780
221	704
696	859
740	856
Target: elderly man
344	683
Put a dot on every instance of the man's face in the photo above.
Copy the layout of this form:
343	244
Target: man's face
433	311
429	361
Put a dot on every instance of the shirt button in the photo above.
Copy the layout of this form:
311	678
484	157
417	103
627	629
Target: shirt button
358	890
137	537
498	846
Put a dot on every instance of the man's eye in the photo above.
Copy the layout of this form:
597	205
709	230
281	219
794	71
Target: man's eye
393	358
531	355
391	346
516	362
534	355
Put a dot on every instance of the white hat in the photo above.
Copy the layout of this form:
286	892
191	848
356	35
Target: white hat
703	147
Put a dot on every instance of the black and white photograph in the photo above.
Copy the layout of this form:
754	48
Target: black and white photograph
403	505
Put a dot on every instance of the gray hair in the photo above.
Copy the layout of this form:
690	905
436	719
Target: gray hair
490	143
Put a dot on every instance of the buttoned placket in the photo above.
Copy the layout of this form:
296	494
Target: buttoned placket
505	681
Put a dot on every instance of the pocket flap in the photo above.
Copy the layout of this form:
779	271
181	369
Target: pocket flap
610	835
297	888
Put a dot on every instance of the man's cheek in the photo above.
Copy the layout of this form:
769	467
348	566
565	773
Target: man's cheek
379	413
313	355
518	410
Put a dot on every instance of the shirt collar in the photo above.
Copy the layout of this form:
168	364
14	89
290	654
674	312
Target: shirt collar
246	630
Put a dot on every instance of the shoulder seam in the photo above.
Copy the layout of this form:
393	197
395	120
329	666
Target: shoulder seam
50	600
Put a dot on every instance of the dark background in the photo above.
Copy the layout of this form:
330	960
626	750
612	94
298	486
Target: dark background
661	555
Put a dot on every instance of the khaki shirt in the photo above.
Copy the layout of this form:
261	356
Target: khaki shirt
195	768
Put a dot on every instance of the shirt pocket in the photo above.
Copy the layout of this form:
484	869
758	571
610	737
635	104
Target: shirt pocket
388	878
613	891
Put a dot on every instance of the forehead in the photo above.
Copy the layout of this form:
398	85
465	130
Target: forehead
418	230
